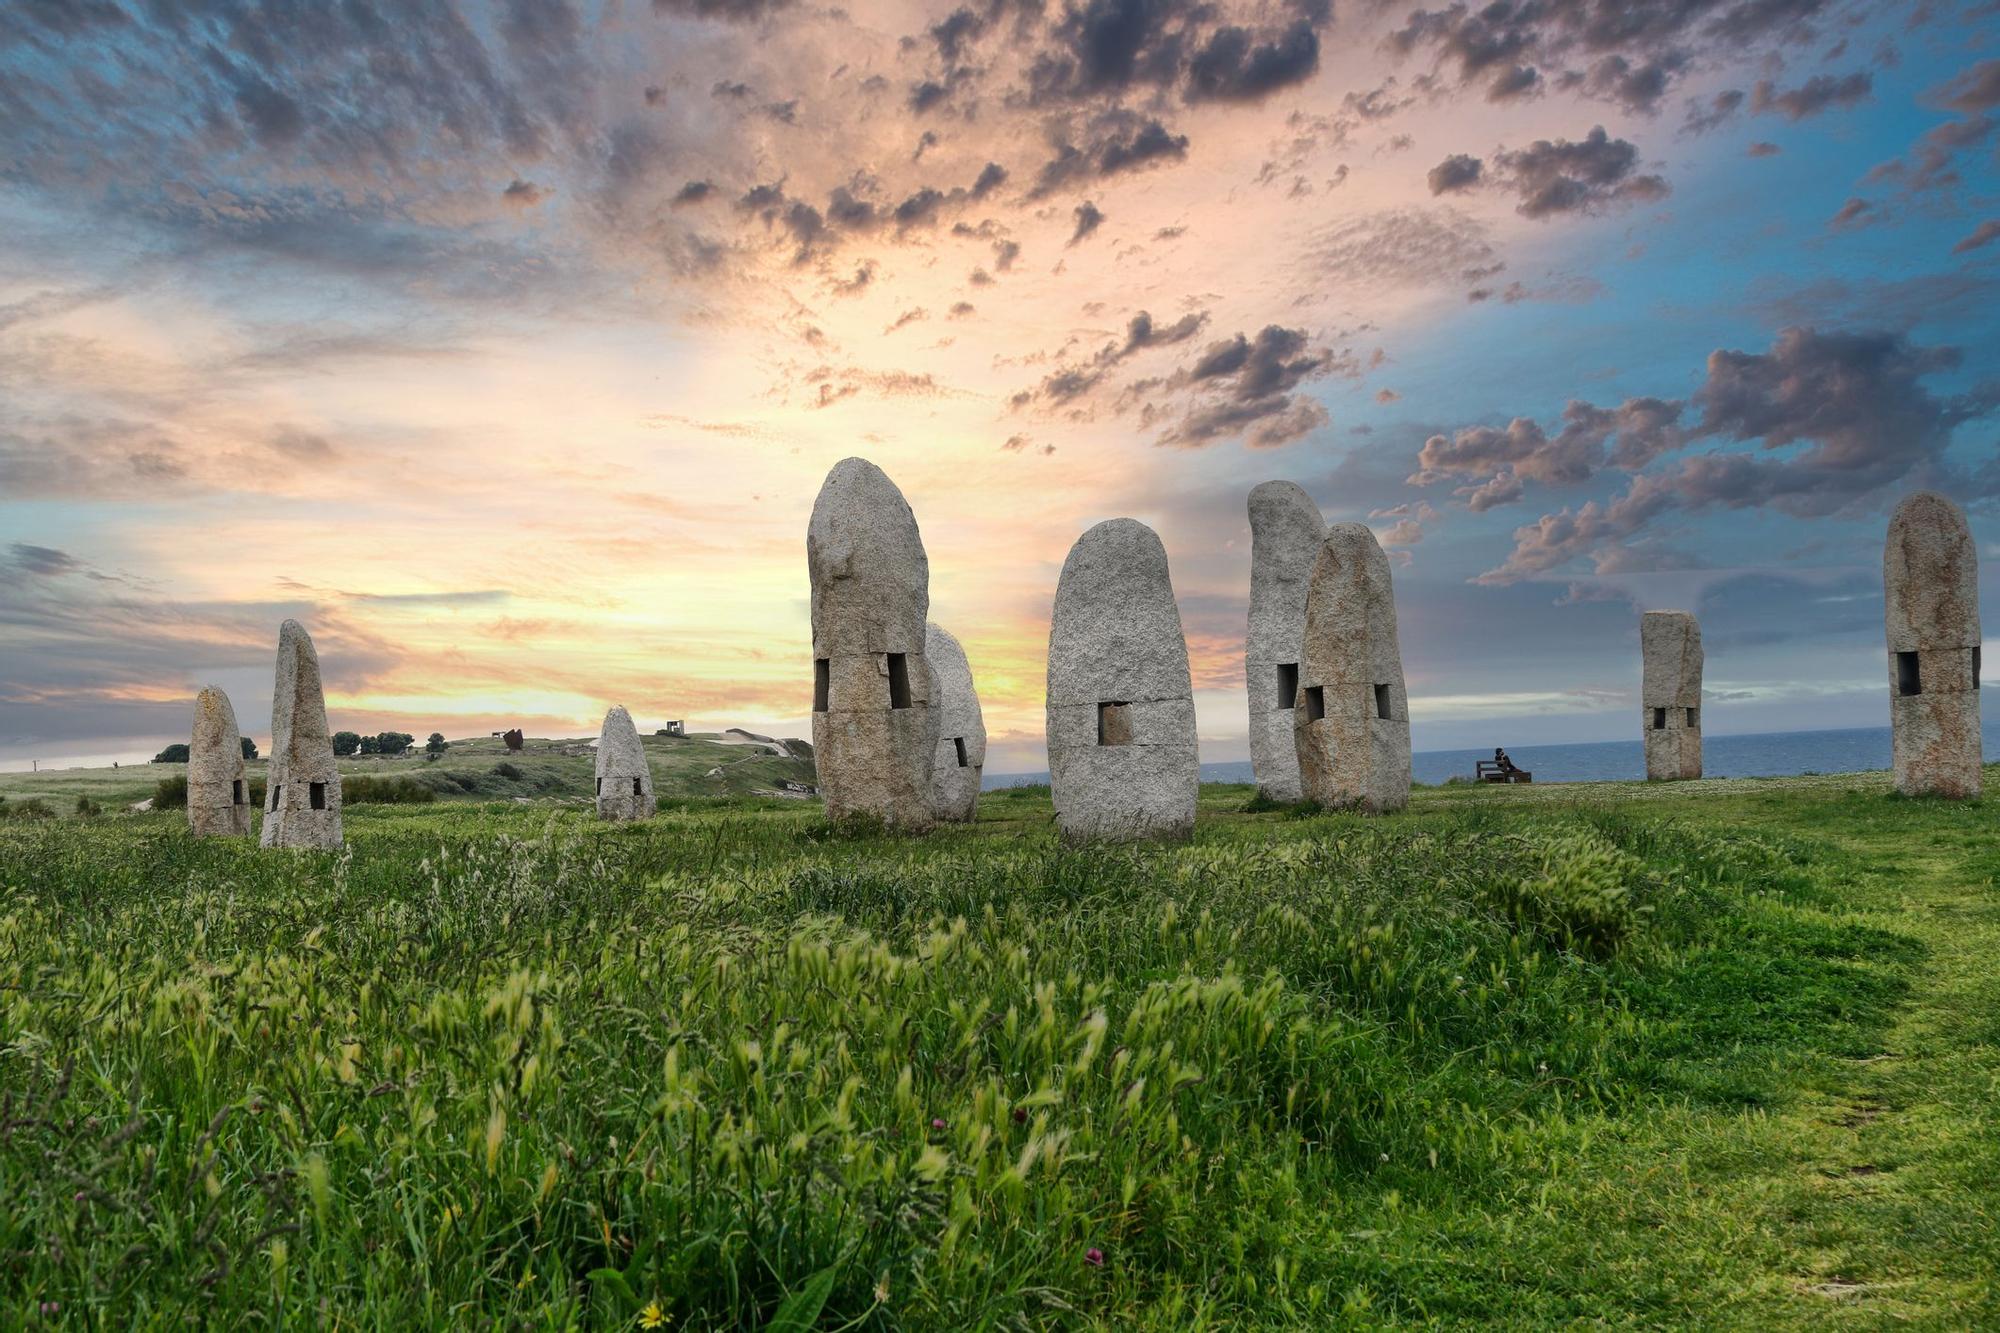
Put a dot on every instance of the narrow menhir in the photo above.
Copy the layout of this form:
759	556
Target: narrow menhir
1288	685
1114	723
958	744
899	680
822	675
1315	702
1909	678
1382	701
1672	663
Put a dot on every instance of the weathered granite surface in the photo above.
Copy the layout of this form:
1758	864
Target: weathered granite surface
1930	584
961	747
624	778
1352	720
302	803
218	795
1121	729
874	729
1670	694
1286	532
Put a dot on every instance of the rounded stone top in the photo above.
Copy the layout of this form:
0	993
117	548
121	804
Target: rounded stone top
619	752
1930	576
1284	512
865	555
1286	530
214	719
1350	633
1116	633
956	698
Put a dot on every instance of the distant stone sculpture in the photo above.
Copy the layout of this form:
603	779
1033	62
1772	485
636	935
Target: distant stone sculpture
1930	584
961	746
874	729
624	778
1286	531
302	802
1121	730
1670	694
218	796
1351	720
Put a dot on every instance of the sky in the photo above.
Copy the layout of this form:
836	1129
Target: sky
506	346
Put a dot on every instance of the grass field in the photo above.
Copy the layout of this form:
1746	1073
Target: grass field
1712	1054
544	771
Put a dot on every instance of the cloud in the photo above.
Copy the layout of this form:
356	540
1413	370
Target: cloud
1841	420
1984	234
1591	175
1088	219
1243	387
1972	90
43	561
1108	47
1114	142
1456	174
694	192
523	194
1232	66
1718	111
1822	92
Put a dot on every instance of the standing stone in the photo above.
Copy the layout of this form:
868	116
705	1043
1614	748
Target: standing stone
1930	584
1670	694
302	805
218	796
624	778
1121	733
1286	531
961	746
1351	719
874	730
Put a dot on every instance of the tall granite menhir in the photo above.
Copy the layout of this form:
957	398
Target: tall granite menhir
1930	584
1121	733
961	745
1670	694
1286	531
624	778
218	797
302	805
874	731
1352	716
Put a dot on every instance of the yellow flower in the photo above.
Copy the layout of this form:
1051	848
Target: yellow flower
652	1316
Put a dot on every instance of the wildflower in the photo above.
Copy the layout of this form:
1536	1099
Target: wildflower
652	1316
936	1123
1094	1257
1020	1115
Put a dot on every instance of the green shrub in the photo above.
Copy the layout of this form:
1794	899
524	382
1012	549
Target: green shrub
171	793
87	808
506	770
384	791
1582	897
32	808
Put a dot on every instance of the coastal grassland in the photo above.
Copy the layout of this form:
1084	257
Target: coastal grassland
1662	1056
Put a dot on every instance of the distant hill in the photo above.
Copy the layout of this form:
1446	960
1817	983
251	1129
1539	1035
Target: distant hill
733	763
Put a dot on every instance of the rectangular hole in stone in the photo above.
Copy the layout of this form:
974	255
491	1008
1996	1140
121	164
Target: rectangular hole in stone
899	681
822	674
236	795
317	792
1114	723
277	790
1315	702
1288	684
1975	668
1908	679
600	786
635	788
1382	701
1659	719
958	743
1694	719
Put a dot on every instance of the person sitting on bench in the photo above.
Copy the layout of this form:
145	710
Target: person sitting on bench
1502	762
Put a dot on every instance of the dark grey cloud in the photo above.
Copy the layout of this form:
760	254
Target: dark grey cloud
43	561
1718	111
1241	388
1972	90
1107	48
1068	383
737	11
1233	66
694	192
1841	420
1088	219
1593	174
1457	173
1111	142
1821	92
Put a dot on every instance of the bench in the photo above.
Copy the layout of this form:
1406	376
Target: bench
1485	770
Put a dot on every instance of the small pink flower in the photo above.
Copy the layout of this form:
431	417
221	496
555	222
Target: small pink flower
1094	1257
936	1123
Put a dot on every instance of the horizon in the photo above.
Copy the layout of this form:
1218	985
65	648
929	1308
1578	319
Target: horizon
509	357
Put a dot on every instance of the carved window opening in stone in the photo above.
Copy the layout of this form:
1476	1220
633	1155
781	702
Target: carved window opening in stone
1114	723
899	680
1975	667
277	789
958	743
1659	719
236	795
1382	701
317	792
1315	702
1288	685
822	675
600	786
1694	719
635	788
1908	679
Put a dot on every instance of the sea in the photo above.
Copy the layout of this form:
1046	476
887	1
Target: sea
1774	754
